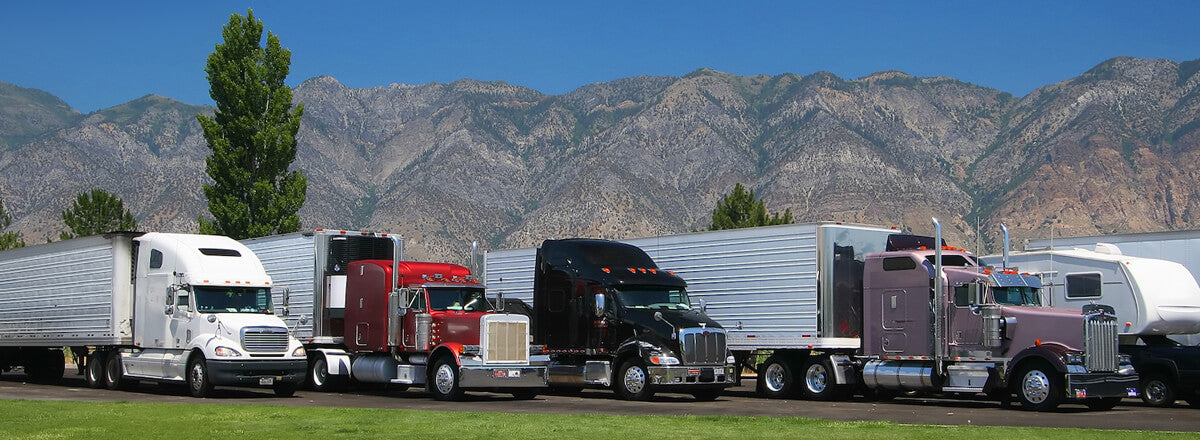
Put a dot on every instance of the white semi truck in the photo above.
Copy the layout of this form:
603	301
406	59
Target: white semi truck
135	306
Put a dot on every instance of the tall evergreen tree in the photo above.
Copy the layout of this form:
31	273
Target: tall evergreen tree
252	136
740	209
96	212
8	240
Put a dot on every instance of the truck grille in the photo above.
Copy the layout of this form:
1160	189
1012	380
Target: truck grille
1100	343
265	339
506	340
702	346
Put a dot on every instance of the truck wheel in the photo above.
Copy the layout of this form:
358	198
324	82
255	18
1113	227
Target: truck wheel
198	379
319	378
285	389
94	373
114	372
706	395
776	379
1039	387
1158	390
633	382
525	394
1102	403
443	381
818	382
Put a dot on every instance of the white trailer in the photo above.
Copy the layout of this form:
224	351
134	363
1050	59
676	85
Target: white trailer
152	306
1182	247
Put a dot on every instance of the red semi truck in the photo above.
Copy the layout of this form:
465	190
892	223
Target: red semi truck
377	319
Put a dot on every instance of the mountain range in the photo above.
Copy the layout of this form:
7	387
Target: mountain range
1112	150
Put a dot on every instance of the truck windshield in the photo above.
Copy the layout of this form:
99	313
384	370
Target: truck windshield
458	298
232	299
1016	296
654	298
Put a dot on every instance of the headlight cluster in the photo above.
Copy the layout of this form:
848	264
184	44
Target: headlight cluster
663	359
226	352
299	352
1073	358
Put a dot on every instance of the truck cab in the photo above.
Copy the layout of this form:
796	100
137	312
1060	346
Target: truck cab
601	305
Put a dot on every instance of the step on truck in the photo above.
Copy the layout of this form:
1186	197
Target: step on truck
181	308
365	315
609	317
823	310
1158	302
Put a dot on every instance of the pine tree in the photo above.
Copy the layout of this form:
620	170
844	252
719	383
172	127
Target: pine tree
740	209
8	240
252	136
96	212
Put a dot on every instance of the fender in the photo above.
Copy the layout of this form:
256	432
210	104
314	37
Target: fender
455	349
1158	364
1050	352
337	361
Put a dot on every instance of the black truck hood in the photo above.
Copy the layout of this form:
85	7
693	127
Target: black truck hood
680	319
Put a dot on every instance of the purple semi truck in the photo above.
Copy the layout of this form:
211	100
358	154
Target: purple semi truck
823	310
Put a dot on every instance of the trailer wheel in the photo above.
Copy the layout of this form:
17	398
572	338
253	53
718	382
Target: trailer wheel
633	382
199	381
1158	390
94	373
776	380
443	381
1102	403
1039	387
114	372
818	382
319	378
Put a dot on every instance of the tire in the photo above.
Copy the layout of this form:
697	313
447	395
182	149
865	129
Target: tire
817	382
93	373
443	380
1038	387
1102	403
525	394
319	378
706	395
776	378
1158	390
285	389
198	380
114	372
633	381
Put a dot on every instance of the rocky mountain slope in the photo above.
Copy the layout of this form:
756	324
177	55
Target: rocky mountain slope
1112	150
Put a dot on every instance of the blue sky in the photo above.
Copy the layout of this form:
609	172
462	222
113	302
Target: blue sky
96	55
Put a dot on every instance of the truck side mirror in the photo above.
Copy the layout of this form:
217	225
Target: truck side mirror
402	300
169	310
500	301
599	305
703	306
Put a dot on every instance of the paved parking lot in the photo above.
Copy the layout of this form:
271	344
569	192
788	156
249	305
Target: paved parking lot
737	401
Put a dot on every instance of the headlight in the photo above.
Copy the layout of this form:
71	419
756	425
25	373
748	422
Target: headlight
299	352
730	360
1073	358
226	351
661	359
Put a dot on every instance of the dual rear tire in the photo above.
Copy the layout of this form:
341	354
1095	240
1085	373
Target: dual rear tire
779	378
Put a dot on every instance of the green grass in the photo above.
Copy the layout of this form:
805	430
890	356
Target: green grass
125	420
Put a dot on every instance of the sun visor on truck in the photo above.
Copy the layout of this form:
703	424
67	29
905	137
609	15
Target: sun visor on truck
906	242
1000	279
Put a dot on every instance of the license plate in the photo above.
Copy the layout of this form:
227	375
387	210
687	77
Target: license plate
266	381
514	373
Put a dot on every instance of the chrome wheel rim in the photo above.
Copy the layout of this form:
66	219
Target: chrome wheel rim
1156	391
320	373
197	376
444	379
816	378
1036	386
773	377
635	379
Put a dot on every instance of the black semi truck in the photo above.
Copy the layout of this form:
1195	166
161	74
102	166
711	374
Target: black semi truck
609	317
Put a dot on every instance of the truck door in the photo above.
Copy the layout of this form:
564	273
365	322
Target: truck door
154	330
966	326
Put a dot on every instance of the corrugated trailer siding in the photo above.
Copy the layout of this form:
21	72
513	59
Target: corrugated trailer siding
754	280
510	272
63	294
288	259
